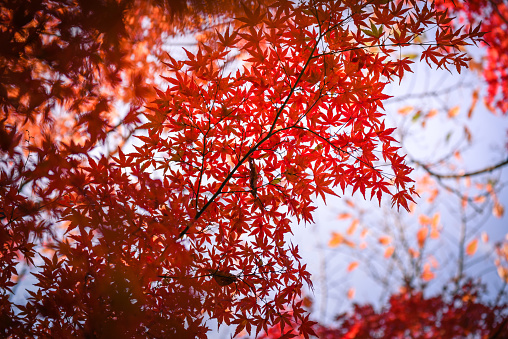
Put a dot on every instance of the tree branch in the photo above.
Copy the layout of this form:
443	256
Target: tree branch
455	176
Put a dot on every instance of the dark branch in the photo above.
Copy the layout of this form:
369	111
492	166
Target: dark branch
464	175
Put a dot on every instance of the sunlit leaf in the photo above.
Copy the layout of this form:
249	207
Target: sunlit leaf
498	210
336	239
435	220
352	266
434	233
385	240
410	56
453	112
473	104
457	155
479	199
432	113
472	247
405	110
421	236
503	273
423	220
485	237
342	216
364	233
351	293
352	228
389	251
433	262
427	274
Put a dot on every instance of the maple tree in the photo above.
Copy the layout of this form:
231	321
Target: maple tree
189	223
408	314
493	16
412	255
65	66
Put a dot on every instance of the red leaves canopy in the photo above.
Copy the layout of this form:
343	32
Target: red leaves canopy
457	313
191	223
492	18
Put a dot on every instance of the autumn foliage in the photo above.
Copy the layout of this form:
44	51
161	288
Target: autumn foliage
456	313
493	18
152	221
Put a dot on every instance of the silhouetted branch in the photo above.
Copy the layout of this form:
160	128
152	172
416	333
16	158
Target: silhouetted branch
464	175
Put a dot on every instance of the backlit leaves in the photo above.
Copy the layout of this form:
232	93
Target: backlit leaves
278	104
498	210
453	112
472	247
385	240
389	251
338	239
352	266
421	236
427	274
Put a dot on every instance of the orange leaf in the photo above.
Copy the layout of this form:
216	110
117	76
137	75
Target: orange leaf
352	266
414	253
457	155
349	243
473	103
485	237
433	195
336	240
344	216
479	199
503	273
423	220
432	113
472	247
427	274
433	262
467	182
351	293
364	233
498	210
435	220
421	236
405	110
453	112
434	233
353	227
385	240
389	251
464	202
307	302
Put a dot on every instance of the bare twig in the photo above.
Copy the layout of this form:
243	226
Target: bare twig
464	175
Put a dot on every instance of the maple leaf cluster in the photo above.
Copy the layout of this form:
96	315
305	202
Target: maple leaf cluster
492	17
190	222
452	313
